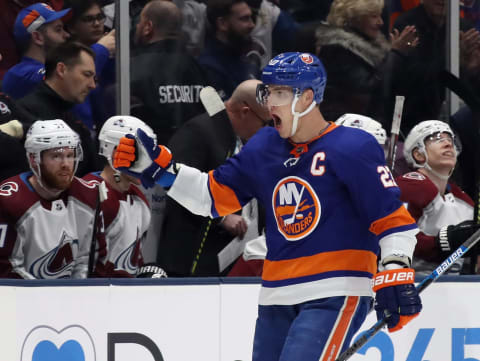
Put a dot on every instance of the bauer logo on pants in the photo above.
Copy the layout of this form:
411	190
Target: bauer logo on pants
72	343
296	208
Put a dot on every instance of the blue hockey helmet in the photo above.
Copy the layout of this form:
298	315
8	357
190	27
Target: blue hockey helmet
298	70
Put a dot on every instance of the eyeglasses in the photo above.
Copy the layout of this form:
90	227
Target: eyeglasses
274	96
264	122
90	19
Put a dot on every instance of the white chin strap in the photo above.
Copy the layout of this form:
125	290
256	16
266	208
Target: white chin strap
297	115
434	172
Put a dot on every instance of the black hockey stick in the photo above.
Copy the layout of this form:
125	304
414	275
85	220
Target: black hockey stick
101	196
427	281
459	87
397	119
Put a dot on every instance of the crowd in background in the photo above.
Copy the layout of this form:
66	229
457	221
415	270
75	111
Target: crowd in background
58	62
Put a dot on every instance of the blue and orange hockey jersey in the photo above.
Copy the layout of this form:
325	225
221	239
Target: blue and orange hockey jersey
329	205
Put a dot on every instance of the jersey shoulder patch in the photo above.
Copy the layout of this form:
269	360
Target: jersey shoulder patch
414	176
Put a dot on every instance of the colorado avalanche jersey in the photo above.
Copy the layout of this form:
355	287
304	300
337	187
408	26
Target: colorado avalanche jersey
45	239
328	204
126	218
432	212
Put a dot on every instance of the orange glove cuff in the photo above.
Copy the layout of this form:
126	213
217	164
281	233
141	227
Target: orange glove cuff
164	158
401	276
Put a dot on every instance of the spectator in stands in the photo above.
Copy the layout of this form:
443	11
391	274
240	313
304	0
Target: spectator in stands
47	214
14	123
37	30
227	44
190	244
443	212
8	47
359	60
418	79
168	98
69	77
86	25
194	24
126	212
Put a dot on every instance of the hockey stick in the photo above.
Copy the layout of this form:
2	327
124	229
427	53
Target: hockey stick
397	119
101	196
459	87
292	218
215	107
211	101
427	281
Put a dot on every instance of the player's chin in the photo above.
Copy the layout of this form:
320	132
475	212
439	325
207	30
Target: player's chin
63	183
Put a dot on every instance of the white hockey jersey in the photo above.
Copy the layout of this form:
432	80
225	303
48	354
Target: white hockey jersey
126	218
45	239
431	212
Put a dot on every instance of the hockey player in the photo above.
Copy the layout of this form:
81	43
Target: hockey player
444	213
332	208
46	215
126	212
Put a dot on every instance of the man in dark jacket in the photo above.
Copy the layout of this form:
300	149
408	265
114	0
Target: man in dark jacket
226	45
69	78
165	79
190	244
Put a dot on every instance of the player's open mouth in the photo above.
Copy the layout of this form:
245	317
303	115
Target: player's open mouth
277	122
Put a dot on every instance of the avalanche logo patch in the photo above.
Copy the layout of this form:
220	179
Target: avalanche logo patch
296	207
414	176
8	188
44	343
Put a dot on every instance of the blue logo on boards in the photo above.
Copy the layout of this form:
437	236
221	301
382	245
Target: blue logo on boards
72	343
47	351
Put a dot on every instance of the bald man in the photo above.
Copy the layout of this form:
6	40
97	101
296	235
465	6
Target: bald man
189	244
165	79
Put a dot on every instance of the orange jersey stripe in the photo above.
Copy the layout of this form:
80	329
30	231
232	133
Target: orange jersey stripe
346	260
333	347
224	198
399	218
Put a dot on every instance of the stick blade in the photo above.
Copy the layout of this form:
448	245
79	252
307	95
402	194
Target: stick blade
211	101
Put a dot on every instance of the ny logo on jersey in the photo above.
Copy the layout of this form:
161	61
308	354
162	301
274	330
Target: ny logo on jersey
296	208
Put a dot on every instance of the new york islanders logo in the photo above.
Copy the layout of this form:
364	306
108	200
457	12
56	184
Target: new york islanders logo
296	207
306	58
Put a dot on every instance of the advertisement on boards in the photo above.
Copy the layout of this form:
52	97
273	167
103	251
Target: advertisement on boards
205	322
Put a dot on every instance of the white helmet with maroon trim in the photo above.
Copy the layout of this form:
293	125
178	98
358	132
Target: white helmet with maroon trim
117	127
365	123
